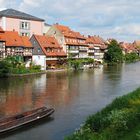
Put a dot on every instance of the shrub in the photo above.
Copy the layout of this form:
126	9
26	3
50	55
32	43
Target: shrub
5	68
131	57
36	67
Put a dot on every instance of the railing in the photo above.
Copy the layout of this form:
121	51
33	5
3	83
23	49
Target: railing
52	58
73	51
90	51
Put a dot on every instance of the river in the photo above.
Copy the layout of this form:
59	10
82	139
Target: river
74	96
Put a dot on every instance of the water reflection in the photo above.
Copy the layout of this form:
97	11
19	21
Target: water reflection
74	95
17	95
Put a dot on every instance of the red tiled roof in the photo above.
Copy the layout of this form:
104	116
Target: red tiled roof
2	37
12	38
50	42
26	42
79	36
67	32
96	40
62	27
128	47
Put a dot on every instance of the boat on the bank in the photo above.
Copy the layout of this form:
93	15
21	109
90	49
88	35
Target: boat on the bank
18	120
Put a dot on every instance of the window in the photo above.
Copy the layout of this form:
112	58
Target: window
25	25
25	34
38	50
48	50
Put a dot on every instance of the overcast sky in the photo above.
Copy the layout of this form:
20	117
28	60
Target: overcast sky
118	19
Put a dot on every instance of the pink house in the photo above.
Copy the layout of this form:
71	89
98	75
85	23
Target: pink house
24	24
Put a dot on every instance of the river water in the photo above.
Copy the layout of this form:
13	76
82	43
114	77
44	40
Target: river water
74	96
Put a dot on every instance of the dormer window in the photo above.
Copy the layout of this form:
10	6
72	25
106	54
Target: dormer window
25	25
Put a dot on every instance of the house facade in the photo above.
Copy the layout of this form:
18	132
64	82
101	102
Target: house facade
128	47
73	43
11	44
24	24
47	52
97	48
46	28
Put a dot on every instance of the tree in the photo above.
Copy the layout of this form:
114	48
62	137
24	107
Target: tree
114	53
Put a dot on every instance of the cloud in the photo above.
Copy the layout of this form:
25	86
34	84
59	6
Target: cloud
109	18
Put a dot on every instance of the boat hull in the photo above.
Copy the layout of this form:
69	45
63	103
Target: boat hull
20	121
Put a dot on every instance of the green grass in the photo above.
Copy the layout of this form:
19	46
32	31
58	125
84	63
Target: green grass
118	121
132	135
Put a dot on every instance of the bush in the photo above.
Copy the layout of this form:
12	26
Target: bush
131	57
5	68
77	64
36	67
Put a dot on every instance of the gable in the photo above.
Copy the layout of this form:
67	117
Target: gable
37	50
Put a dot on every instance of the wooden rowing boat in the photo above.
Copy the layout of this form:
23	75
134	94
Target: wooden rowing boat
15	121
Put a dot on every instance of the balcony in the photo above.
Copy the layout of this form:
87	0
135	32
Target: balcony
90	51
18	51
52	59
91	57
27	54
83	49
2	50
73	51
97	53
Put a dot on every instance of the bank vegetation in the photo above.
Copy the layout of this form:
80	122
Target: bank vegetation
118	121
13	65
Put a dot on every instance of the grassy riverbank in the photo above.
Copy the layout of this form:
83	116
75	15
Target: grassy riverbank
118	121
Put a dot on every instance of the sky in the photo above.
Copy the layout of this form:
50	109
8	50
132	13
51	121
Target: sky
118	19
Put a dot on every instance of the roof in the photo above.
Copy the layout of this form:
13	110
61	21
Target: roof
67	32
137	43
12	38
18	14
2	38
96	40
62	28
49	42
70	34
46	24
26	41
128	47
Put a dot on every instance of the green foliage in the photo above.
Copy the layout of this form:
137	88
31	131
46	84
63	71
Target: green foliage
138	135
5	68
15	65
35	67
131	57
114	122
15	61
114	53
77	64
